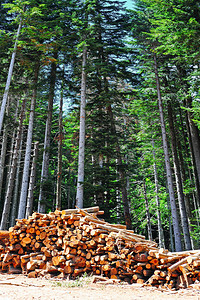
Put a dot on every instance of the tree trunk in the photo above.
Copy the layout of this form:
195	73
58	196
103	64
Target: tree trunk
160	229
29	206
5	96
60	142
147	212
122	174
68	190
3	155
81	156
47	139
179	185
11	179
16	189
175	222
25	179
170	226
4	148
188	155
195	143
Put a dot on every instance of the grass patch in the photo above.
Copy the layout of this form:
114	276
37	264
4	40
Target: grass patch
78	282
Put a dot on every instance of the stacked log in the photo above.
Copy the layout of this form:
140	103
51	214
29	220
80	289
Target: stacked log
70	243
177	269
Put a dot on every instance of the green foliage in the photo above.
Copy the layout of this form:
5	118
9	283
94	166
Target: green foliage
121	111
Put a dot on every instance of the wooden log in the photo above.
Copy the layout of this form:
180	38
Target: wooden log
77	210
26	240
147	273
141	257
4	234
182	261
135	277
196	263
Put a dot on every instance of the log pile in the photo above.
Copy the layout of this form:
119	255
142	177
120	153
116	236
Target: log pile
70	243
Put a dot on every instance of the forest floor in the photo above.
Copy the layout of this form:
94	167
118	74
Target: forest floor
19	287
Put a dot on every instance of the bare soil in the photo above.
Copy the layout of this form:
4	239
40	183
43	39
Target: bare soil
19	287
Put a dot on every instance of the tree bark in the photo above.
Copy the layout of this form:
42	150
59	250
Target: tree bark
11	179
81	156
179	185
160	229
195	139
25	179
175	222
16	189
60	142
29	206
5	145
3	155
147	212
5	95
170	227
47	139
122	174
186	165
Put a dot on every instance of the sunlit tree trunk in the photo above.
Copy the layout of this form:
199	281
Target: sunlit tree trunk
81	156
29	206
170	226
60	142
160	229
175	222
5	95
147	211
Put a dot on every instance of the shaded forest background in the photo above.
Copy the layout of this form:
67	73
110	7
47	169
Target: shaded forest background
140	70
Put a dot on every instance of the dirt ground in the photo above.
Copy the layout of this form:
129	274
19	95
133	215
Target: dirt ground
19	287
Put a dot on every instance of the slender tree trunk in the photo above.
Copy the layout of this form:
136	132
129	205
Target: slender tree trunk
160	229
179	185
68	190
190	200
194	169
192	172
12	144
16	189
4	148
11	179
195	144
170	227
175	222
60	142
11	153
122	174
25	179
147	211
47	139
29	206
81	156
3	155
5	96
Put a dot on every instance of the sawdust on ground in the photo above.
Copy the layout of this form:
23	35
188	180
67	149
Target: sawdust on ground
19	287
